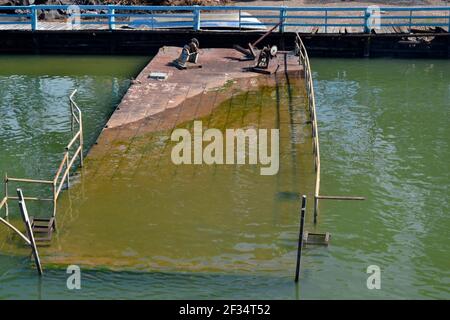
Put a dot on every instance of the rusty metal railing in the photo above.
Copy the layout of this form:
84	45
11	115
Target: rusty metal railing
62	175
309	84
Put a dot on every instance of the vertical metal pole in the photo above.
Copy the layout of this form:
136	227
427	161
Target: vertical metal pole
152	19
326	20
282	17
410	20
448	21
196	21
300	237
240	19
111	17
366	21
34	18
68	169
81	140
26	220
71	115
54	198
316	208
6	195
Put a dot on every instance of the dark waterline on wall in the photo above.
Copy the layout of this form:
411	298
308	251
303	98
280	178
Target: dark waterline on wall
436	45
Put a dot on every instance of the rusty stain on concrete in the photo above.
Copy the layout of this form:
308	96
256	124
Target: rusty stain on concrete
147	97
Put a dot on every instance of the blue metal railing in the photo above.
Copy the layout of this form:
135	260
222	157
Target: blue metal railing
200	17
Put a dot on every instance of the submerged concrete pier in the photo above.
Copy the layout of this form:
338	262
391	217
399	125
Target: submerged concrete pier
133	208
154	105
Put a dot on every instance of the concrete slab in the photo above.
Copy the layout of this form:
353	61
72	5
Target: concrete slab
147	97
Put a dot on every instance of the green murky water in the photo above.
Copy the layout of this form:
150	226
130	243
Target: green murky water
226	231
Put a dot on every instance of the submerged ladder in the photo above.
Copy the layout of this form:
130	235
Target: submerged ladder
29	238
40	229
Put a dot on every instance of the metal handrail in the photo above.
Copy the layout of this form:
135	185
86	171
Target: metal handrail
304	61
309	83
112	15
67	162
30	239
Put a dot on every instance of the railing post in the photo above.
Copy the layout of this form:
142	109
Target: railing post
240	19
34	18
6	195
67	168
448	21
367	15
316	207
54	198
410	20
300	237
81	140
111	17
282	18
196	20
326	20
71	115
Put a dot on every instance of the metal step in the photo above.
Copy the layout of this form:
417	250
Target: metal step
42	230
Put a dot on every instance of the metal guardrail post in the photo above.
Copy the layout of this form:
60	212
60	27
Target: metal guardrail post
410	20
240	19
6	195
81	140
316	208
282	18
68	168
34	18
300	237
448	21
54	199
367	15
72	122
196	20
111	17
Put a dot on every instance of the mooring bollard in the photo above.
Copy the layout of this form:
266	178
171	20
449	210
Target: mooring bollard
300	237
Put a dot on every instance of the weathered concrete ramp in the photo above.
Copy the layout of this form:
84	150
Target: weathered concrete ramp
135	209
148	97
154	105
